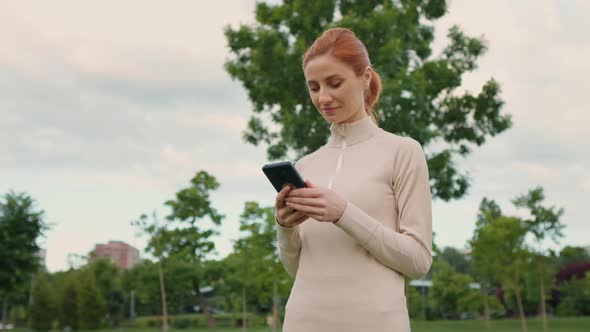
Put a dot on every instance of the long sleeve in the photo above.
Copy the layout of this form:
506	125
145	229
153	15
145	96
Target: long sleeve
407	250
289	243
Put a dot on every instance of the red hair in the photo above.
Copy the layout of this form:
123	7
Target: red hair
345	46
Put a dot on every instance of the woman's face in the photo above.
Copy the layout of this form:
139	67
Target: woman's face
336	91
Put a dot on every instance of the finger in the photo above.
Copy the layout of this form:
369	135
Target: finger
308	184
305	208
295	215
317	202
282	194
292	218
318	217
285	211
305	192
300	219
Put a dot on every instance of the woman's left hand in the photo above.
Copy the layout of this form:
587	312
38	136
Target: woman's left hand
321	204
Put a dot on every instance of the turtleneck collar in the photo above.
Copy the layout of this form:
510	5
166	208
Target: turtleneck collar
353	132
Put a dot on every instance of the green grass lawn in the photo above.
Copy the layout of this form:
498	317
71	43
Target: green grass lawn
581	324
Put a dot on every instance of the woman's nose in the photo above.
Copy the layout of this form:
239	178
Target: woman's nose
325	96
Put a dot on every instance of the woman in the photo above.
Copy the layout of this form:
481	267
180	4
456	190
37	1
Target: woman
364	221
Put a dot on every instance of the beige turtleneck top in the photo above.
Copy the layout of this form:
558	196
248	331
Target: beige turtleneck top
349	275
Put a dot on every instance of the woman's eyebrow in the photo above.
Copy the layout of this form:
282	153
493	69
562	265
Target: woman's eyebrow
327	78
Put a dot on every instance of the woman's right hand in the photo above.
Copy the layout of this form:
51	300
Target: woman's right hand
286	216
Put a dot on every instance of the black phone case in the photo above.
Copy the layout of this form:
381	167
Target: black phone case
282	173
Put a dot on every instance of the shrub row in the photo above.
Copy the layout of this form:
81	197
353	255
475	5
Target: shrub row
198	320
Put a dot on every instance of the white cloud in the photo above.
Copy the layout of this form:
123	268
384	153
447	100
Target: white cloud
235	123
539	171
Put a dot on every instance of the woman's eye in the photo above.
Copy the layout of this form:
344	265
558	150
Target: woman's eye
333	85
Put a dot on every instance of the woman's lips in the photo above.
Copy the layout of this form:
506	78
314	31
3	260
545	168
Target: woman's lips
330	111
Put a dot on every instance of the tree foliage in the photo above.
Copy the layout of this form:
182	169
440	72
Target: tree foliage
43	306
542	221
451	292
572	255
69	302
91	303
576	297
21	224
456	260
191	240
420	98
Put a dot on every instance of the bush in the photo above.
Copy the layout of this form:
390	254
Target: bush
154	322
18	315
575	300
198	321
181	323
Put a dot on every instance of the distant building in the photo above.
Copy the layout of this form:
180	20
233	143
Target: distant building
120	253
428	283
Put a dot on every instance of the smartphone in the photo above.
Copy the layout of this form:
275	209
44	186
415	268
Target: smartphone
282	173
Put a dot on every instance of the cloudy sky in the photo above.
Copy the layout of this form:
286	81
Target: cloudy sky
107	109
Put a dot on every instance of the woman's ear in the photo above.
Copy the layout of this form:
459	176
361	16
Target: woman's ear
367	76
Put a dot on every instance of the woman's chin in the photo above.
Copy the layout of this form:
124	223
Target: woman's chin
332	118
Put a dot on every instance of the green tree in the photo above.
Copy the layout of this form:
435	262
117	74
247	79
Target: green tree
543	222
420	96
415	301
69	303
529	280
451	292
575	299
230	282
500	245
21	224
457	260
154	230
179	286
489	211
573	255
108	282
43	308
190	240
482	254
142	279
91	305
261	244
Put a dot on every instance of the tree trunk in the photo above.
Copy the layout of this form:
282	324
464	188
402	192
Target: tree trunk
203	305
4	312
163	292
543	308
244	311
234	311
520	309
486	305
275	303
